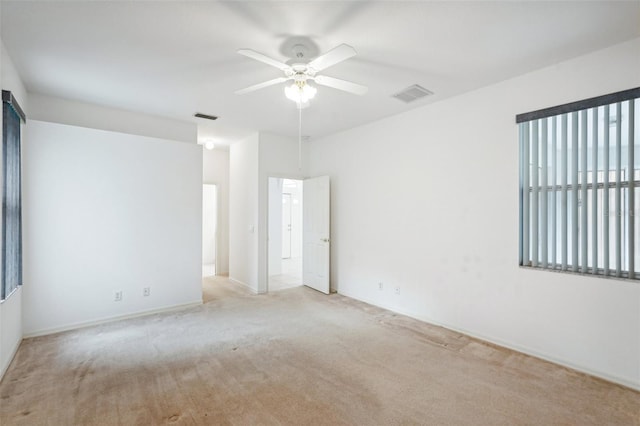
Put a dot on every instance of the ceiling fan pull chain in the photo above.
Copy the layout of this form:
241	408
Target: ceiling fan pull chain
299	136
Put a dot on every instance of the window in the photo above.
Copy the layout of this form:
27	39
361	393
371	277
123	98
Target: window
11	197
580	186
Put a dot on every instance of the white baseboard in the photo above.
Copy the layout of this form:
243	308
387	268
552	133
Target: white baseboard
84	324
4	368
518	348
536	354
242	283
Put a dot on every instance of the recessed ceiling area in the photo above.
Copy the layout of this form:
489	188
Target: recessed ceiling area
173	59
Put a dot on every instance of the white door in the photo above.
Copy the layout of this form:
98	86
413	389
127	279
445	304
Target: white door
286	226
315	236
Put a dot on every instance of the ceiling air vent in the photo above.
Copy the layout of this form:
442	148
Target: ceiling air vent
207	116
412	93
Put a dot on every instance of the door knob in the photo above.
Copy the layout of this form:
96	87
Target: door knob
325	240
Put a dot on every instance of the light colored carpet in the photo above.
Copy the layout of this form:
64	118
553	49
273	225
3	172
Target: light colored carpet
293	357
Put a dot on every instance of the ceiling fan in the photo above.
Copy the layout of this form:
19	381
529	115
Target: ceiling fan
301	73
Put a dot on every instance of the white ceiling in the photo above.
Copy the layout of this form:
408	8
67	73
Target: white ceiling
175	58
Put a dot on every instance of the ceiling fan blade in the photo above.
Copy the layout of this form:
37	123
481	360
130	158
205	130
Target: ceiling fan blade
336	83
261	85
332	57
263	58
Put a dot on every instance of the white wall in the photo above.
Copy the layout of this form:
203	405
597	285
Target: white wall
215	169
106	212
428	201
66	111
10	308
243	212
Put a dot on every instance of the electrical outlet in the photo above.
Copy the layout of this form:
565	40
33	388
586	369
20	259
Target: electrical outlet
146	291
397	290
118	296
380	286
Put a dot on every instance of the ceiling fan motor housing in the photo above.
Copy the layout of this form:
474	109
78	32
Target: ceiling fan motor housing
300	51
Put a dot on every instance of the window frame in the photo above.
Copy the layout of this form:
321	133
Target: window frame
577	189
14	221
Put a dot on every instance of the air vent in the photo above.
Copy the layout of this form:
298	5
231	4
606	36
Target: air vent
208	117
412	93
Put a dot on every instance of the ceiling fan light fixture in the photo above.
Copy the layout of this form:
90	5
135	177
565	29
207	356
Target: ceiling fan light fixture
208	143
300	93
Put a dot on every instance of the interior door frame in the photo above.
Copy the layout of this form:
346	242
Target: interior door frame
290	207
217	238
265	248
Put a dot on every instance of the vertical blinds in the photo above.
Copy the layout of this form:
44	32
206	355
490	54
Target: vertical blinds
580	186
11	260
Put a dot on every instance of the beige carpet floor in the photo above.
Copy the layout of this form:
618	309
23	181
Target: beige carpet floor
293	357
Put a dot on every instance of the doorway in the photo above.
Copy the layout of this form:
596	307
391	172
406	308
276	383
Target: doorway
209	229
285	233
